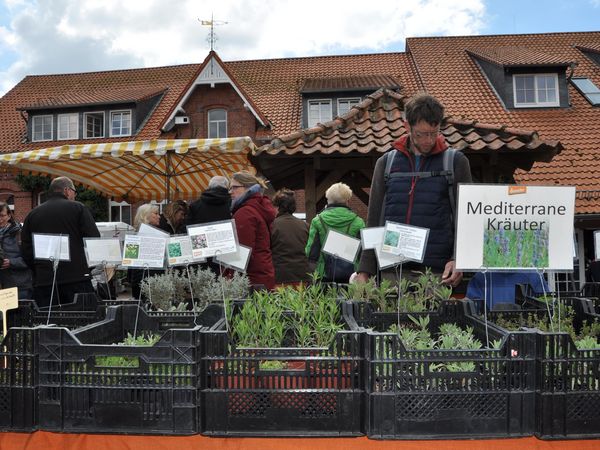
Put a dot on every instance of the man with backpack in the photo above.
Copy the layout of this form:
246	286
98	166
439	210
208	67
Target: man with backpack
339	217
415	183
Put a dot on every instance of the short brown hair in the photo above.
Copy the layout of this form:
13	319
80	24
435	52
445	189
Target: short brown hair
285	200
423	106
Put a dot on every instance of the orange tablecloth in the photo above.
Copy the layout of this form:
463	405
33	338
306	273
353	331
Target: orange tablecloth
42	440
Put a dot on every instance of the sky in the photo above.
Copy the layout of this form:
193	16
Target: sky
63	36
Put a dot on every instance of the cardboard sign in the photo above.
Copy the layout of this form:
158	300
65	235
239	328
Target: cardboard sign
9	299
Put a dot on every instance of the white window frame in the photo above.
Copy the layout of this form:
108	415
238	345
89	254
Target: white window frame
351	100
59	129
85	130
321	119
33	121
218	122
120	206
120	111
536	103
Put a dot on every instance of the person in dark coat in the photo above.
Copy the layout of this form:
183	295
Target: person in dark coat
288	240
60	214
13	271
254	214
213	205
172	220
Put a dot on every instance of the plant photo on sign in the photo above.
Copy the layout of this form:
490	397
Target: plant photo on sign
515	248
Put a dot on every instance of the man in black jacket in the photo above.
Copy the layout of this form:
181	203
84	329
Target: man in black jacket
213	205
60	214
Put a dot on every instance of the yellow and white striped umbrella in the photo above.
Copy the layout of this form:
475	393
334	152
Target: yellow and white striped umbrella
140	170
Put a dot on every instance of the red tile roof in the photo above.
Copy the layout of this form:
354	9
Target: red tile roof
274	84
376	122
517	57
356	83
103	95
87	88
448	72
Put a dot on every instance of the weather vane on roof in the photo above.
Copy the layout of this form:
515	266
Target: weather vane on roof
212	36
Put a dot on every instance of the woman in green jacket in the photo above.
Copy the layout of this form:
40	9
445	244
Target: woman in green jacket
339	217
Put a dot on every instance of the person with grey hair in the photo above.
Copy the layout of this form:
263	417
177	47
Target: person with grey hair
60	214
213	205
339	217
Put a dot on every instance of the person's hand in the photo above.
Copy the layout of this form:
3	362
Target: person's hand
5	264
361	277
451	276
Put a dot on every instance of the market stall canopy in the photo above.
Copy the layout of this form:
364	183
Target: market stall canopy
139	170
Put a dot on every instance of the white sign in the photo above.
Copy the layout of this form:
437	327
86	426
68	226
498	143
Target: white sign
210	239
515	227
238	260
144	251
102	251
51	246
149	230
341	245
404	240
371	238
179	251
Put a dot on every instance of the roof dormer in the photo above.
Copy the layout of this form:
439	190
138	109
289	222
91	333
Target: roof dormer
524	78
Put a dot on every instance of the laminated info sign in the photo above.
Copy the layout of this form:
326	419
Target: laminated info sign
215	238
515	227
144	251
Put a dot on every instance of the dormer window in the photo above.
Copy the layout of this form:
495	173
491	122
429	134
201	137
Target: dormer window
345	104
120	123
319	111
41	128
534	90
68	126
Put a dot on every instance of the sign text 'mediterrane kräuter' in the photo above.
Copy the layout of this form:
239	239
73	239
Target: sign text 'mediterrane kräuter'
508	209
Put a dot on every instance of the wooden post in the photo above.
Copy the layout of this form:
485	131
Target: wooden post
310	200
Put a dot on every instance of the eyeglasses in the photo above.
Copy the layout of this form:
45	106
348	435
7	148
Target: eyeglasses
236	186
426	134
72	189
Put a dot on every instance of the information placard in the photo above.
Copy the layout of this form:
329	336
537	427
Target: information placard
144	251
102	251
404	240
210	239
51	246
341	245
179	251
513	227
236	261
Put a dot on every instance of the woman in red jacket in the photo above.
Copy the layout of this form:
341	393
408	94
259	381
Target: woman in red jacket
253	214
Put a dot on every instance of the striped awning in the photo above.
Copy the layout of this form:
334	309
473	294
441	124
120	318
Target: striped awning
139	170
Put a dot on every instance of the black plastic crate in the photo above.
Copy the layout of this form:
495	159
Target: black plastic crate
408	397
18	380
156	394
319	393
567	379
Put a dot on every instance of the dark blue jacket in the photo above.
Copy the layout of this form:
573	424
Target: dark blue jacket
422	201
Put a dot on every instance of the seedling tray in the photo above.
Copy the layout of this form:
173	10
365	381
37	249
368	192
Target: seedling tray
409	396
